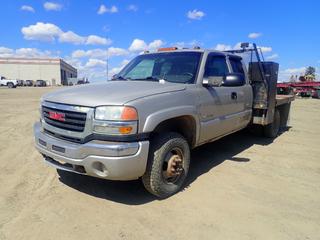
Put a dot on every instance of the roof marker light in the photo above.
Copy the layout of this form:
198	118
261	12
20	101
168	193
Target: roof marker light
167	49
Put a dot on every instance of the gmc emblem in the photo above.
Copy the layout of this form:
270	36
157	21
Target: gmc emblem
57	116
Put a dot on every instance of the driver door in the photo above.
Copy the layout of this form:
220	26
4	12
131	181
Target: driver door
219	105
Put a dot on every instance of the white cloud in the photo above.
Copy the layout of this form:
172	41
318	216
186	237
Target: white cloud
79	54
195	14
93	63
27	8
41	31
285	75
4	50
139	45
51	6
272	57
96	40
103	9
100	53
132	8
190	44
265	49
254	35
222	47
50	32
113	51
155	44
295	70
24	53
71	37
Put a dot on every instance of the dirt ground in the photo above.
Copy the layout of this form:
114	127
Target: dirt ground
240	187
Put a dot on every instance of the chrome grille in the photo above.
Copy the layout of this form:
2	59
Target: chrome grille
73	121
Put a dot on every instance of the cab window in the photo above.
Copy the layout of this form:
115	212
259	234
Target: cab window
236	65
216	66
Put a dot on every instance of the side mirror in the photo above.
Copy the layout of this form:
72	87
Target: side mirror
213	81
234	79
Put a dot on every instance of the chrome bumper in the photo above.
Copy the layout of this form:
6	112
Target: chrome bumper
109	160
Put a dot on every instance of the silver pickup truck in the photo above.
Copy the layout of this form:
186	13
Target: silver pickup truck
143	123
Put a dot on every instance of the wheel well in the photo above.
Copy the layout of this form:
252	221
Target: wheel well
185	125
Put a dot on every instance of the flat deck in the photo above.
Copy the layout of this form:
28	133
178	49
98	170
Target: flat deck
283	99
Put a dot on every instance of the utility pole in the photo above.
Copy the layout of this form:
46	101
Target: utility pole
107	61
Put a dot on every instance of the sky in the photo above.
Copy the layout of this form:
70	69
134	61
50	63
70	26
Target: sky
84	33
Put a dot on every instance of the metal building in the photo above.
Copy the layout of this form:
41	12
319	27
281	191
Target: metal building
54	71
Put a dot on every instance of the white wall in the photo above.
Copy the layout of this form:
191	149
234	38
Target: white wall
50	73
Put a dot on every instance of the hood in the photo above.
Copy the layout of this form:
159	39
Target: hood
110	93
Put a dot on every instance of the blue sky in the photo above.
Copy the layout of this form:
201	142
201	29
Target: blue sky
81	32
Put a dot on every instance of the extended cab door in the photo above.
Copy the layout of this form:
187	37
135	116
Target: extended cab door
223	109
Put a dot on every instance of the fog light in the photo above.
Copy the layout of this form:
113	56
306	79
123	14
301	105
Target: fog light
100	169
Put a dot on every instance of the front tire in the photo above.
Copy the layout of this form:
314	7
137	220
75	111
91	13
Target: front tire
10	85
168	165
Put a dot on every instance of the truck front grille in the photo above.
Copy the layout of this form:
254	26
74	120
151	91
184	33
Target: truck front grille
68	120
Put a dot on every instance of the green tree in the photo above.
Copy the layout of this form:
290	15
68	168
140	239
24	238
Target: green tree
310	71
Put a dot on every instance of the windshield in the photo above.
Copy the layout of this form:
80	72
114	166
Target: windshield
177	67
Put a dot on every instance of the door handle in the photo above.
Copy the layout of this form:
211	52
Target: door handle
234	95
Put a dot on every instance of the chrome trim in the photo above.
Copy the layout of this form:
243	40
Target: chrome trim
88	155
66	107
88	129
80	151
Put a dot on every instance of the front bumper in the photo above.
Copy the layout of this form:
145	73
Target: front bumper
108	160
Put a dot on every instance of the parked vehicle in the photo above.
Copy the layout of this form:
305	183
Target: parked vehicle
80	82
29	83
40	83
144	122
10	83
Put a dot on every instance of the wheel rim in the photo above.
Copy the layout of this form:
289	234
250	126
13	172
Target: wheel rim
172	167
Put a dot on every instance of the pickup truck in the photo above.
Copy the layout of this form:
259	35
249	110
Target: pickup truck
144	122
10	83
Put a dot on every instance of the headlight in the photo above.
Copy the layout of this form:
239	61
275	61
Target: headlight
116	113
116	120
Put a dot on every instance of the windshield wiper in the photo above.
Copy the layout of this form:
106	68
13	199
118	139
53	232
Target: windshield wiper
151	78
120	78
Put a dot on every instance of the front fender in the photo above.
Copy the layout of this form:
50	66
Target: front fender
154	119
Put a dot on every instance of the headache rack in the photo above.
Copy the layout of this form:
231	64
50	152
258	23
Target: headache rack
263	76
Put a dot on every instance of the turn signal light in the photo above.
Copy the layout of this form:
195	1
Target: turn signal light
125	130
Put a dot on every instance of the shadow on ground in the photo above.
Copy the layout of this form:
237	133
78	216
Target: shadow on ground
203	160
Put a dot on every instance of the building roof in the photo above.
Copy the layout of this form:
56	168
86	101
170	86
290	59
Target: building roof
42	61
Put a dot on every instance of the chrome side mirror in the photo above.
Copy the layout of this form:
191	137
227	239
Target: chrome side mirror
213	81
